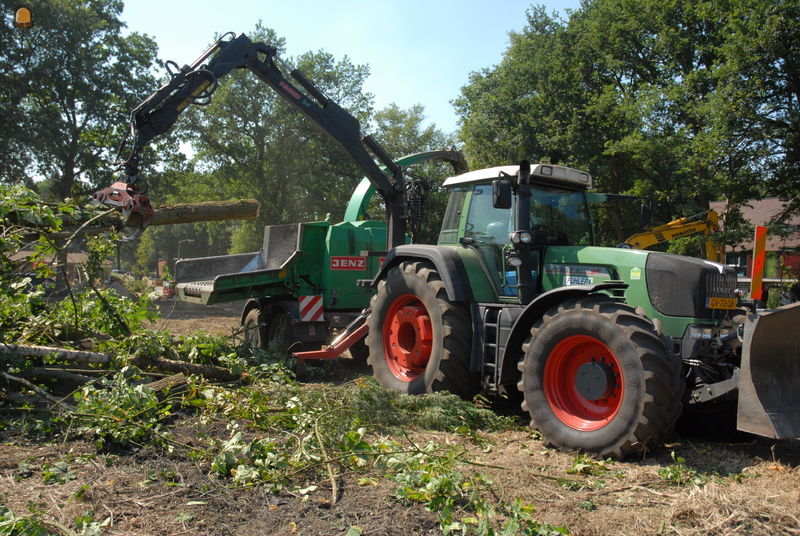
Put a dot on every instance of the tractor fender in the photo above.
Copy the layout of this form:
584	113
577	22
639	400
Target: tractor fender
446	260
521	329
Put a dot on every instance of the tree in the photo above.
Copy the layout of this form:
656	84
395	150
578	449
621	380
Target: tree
403	132
66	85
679	102
757	102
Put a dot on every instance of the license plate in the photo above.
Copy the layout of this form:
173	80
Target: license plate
721	303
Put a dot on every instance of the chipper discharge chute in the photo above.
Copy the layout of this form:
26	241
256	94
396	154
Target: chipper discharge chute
769	382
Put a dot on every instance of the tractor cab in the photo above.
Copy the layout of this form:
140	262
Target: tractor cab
482	215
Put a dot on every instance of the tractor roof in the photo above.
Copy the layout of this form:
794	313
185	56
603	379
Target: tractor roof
561	175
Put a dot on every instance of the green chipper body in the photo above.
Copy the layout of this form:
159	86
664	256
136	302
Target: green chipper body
296	259
305	273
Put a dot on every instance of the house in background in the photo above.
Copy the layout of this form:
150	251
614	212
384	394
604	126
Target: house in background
75	260
783	253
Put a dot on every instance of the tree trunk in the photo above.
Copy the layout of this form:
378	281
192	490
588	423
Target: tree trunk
243	209
77	356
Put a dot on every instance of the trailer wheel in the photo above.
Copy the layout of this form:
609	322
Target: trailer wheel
279	333
419	341
597	377
359	352
253	329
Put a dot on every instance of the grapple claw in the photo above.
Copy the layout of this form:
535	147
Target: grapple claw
136	208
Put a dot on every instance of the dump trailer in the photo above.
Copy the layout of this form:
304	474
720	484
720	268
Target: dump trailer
605	347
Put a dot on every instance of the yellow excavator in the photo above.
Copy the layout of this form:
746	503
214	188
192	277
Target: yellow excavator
704	222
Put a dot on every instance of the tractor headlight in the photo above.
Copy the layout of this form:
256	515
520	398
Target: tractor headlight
514	260
699	332
523	237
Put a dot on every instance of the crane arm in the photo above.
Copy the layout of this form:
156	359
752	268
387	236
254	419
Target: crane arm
705	222
195	83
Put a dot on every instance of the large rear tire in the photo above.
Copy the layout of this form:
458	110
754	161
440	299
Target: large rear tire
419	341
597	377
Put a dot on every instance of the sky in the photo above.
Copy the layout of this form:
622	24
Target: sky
419	52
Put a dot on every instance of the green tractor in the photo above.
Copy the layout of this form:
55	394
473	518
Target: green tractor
604	346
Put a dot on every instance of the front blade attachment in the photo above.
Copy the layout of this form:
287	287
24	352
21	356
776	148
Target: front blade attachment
769	384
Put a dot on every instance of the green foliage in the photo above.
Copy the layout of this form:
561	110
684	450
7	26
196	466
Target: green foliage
137	285
12	525
87	526
29	310
679	474
246	237
117	410
585	464
57	473
436	411
92	311
774	297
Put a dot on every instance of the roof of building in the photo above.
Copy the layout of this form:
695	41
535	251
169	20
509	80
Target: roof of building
761	212
73	257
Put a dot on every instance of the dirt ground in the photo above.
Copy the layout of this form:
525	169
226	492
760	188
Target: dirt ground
183	318
751	486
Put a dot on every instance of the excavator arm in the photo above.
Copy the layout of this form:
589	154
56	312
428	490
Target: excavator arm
705	222
195	84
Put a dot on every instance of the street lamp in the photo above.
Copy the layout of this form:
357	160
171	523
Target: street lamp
182	242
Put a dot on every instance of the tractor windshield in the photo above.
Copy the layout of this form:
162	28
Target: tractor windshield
558	217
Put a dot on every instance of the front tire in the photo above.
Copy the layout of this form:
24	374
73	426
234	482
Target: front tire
597	377
419	341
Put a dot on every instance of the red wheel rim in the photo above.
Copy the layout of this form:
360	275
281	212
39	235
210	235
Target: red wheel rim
570	359
407	337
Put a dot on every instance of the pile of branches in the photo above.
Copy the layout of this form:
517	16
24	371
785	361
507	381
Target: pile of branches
57	335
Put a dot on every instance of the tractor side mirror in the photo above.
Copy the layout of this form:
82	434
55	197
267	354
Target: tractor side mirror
501	193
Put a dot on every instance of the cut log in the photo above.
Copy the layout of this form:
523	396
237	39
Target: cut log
169	214
78	356
243	209
59	381
207	371
167	365
170	382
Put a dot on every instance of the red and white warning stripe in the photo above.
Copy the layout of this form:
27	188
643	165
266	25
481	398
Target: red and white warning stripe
310	308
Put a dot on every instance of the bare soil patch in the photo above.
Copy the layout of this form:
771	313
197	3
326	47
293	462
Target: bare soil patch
184	318
146	492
